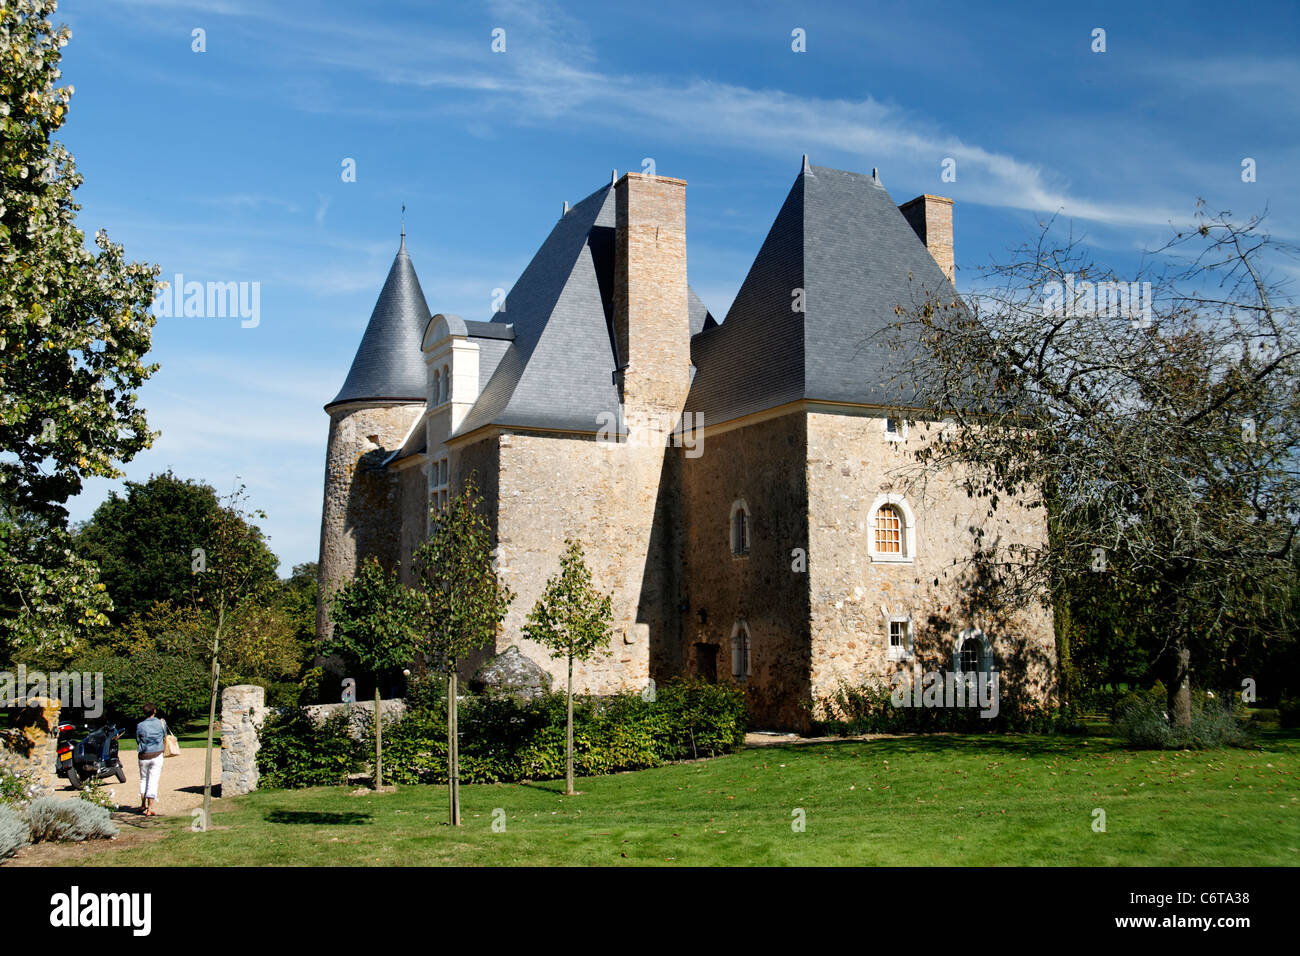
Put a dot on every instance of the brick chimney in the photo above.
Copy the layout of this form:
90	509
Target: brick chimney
651	323
931	218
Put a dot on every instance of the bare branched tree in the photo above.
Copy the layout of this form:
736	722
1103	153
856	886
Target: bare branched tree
1155	419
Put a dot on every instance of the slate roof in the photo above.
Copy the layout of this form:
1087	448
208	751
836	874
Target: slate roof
557	373
389	364
839	237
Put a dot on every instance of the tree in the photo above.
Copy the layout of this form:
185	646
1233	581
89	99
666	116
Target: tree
49	597
1157	424
374	618
142	541
74	327
573	619
462	603
228	578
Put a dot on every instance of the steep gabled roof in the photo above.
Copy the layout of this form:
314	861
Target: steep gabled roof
389	365
558	372
840	238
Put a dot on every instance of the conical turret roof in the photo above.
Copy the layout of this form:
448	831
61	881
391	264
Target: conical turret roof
389	365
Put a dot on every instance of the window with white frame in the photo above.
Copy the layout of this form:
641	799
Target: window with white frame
900	638
740	650
440	472
895	428
891	530
739	528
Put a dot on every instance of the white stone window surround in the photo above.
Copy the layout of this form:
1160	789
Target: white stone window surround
740	650
902	652
899	433
908	554
452	360
739	528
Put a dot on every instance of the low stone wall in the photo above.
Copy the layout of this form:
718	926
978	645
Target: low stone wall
243	710
360	714
29	745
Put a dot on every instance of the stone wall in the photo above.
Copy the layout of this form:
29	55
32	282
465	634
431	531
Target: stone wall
763	464
361	504
360	714
850	464
29	745
607	495
243	710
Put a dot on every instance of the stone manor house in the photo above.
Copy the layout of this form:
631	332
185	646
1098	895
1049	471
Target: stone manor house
733	483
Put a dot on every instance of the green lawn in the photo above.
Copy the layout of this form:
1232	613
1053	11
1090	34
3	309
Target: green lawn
910	800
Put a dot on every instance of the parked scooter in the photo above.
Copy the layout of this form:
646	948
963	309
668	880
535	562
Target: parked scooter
92	758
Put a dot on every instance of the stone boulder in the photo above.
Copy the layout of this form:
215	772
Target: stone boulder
510	672
29	745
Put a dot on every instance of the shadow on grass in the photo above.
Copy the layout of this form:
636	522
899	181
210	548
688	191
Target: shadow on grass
549	786
318	818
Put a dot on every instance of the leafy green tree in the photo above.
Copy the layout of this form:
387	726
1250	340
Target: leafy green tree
462	603
143	541
49	597
573	619
228	579
75	325
374	618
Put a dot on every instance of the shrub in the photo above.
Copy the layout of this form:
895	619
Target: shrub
1288	713
178	686
1144	722
99	795
868	708
13	831
51	819
16	789
506	739
297	752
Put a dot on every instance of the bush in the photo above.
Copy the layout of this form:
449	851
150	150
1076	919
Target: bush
297	752
16	789
1288	713
507	739
13	831
1144	722
177	685
51	819
97	794
868	708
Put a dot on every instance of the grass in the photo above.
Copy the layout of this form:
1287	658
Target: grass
940	800
193	734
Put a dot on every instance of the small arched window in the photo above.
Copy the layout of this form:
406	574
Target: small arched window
446	383
437	387
972	653
891	530
739	527
740	650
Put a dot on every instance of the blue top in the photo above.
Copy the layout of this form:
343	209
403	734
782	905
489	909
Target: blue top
149	735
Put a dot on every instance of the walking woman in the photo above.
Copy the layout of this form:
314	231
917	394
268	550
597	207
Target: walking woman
150	743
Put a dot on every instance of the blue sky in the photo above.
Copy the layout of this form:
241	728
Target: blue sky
226	165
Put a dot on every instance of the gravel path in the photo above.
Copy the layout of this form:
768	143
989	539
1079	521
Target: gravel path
180	789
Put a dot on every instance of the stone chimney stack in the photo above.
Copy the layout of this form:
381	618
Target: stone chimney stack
651	322
931	218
